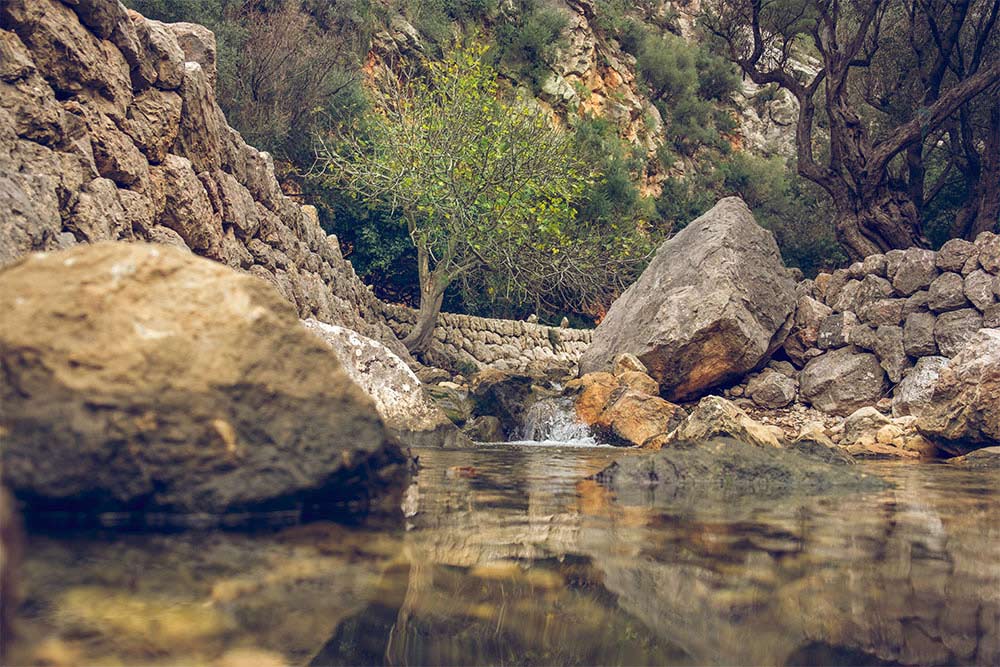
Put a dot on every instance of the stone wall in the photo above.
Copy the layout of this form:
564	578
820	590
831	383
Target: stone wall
885	326
503	344
109	130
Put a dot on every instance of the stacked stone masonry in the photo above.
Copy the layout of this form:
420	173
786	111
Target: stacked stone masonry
109	130
502	344
894	319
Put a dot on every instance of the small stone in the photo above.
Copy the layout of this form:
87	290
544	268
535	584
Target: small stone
628	362
834	330
771	389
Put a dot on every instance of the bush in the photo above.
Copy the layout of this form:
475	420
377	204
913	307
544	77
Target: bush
525	45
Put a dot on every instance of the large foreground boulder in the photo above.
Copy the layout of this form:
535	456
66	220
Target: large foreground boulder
964	411
143	378
399	397
710	306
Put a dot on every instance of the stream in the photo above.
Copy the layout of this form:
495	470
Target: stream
511	556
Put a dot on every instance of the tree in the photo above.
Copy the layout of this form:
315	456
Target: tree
873	164
474	177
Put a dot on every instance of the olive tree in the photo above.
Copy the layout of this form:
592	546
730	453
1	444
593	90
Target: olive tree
474	176
871	161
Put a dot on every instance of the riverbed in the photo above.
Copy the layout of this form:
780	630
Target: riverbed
510	555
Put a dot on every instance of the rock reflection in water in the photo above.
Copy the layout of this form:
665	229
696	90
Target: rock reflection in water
522	560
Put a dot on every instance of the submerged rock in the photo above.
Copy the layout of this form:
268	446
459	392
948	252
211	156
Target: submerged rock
710	306
399	397
144	378
725	468
964	410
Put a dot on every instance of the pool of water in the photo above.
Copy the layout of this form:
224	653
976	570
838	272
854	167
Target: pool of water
510	555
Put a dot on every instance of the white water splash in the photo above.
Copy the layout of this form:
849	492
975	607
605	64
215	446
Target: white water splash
552	421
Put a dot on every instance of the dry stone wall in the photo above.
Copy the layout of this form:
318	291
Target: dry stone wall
109	130
886	326
502	344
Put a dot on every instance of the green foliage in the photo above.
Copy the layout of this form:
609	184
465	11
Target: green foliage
524	46
481	182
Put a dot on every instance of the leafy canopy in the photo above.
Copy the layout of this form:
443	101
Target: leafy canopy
472	174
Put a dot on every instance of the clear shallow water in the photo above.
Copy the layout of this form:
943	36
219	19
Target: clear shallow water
511	556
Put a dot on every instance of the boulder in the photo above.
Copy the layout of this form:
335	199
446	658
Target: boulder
812	442
453	400
485	428
913	394
834	330
891	353
626	362
947	292
964	410
988	245
918	334
726	469
954	254
842	380
954	329
711	305
595	390
771	389
714	417
979	289
987	458
504	395
143	378
639	382
399	397
634	417
917	269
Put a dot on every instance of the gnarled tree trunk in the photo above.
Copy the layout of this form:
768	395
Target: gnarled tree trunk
888	219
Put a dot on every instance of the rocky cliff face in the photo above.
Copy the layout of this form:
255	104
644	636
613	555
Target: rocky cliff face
109	130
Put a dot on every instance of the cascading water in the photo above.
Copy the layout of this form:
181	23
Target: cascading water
553	421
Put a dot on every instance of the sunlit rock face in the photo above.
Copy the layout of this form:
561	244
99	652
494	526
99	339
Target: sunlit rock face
710	306
399	398
140	377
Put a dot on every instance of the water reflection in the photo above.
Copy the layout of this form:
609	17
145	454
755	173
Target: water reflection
512	557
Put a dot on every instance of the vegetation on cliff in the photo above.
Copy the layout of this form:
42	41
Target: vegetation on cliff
663	107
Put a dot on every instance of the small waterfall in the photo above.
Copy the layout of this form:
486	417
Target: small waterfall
553	420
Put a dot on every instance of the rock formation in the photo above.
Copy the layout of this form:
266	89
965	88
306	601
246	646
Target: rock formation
964	409
109	130
711	305
142	378
399	398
